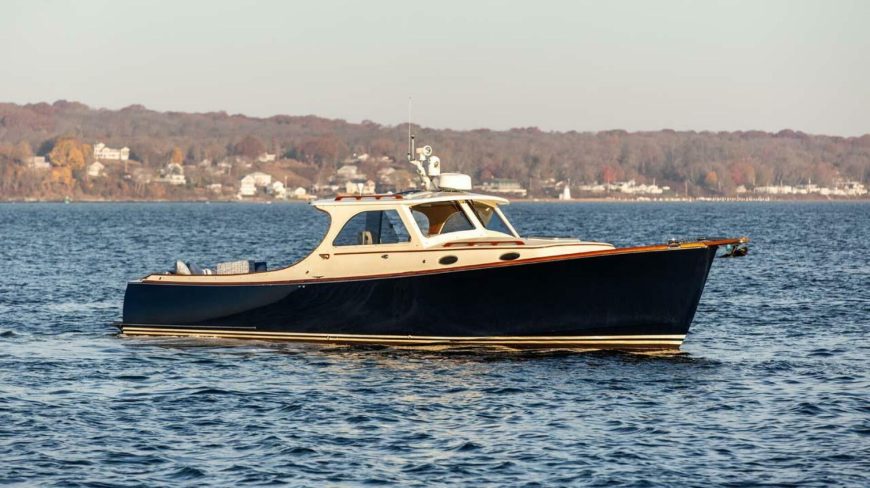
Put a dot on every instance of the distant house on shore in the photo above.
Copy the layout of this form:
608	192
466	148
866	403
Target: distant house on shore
841	188
247	188
504	186
38	162
173	174
96	170
631	187
266	158
278	190
593	187
101	151
251	183
301	194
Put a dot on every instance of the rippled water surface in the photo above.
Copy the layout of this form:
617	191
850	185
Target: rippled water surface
773	386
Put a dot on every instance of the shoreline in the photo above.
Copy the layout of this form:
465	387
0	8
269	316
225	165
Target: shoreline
512	200
691	200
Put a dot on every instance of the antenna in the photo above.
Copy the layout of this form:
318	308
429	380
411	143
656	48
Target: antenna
410	137
425	155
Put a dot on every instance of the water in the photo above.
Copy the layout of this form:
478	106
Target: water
773	388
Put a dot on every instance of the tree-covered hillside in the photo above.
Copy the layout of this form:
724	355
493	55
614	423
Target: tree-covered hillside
709	163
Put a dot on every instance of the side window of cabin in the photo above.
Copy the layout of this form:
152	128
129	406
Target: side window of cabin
399	231
422	221
441	218
373	227
490	218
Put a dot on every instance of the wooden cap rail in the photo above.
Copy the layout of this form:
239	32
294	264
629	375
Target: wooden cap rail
376	197
485	243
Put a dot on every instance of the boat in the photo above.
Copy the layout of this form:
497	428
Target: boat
437	266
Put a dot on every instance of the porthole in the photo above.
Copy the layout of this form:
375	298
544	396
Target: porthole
509	256
448	260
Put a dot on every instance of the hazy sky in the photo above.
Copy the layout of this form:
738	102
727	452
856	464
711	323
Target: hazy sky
578	65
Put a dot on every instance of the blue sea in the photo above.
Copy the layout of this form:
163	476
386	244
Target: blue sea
772	387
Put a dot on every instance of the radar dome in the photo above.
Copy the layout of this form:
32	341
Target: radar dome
454	181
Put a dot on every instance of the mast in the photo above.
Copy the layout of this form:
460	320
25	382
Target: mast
424	152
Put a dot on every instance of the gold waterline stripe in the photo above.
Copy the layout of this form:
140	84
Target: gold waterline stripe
414	342
384	336
494	340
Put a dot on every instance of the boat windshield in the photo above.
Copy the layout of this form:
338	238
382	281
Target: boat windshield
490	219
440	218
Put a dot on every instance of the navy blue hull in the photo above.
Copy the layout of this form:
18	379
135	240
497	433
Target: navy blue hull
629	294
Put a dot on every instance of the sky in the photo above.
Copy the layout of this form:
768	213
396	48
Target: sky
556	65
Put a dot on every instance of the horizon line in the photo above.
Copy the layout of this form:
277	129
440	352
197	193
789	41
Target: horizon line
422	127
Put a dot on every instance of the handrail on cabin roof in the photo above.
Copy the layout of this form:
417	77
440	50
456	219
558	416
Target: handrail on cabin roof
376	196
406	198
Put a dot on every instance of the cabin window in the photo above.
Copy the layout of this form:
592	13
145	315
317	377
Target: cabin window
373	227
490	218
441	218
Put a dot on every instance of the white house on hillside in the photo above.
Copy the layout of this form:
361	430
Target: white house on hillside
250	184
38	162
247	188
173	174
108	153
96	170
278	190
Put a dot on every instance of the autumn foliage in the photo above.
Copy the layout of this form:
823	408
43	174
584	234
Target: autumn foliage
310	149
177	156
250	146
70	153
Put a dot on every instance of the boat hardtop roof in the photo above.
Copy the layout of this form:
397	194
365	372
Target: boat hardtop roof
411	198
